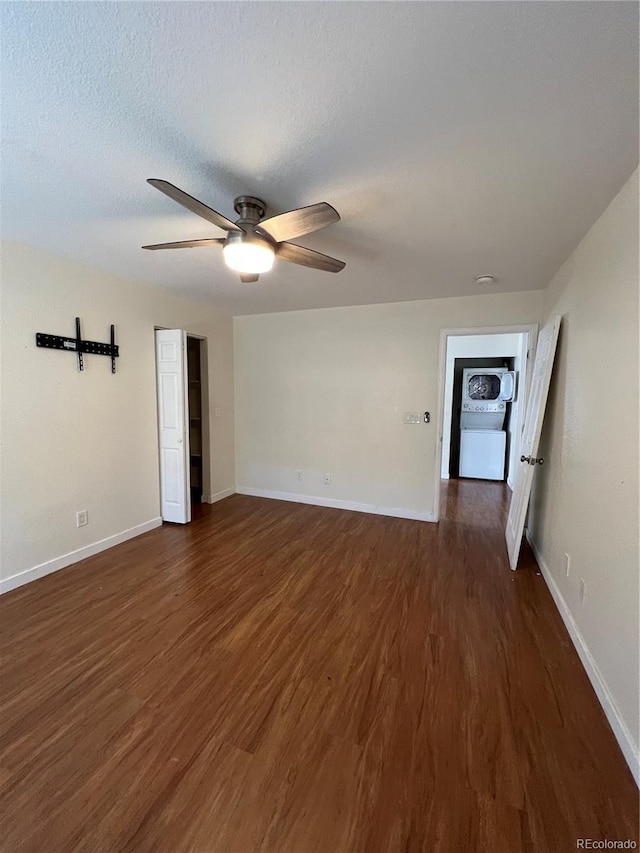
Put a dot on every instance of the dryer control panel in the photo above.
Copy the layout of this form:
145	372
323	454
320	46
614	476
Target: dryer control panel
483	406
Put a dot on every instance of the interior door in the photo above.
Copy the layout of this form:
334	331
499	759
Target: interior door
534	416
171	376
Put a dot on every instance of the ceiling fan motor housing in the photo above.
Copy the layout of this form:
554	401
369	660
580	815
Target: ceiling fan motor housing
249	237
250	209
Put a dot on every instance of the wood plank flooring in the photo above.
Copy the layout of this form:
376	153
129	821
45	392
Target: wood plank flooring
287	678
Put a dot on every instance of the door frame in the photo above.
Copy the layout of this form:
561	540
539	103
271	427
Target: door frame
530	329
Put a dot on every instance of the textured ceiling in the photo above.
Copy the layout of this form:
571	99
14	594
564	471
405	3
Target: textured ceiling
454	138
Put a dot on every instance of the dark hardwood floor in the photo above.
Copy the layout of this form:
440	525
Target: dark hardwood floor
280	677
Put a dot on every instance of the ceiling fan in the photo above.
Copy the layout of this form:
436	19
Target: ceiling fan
252	242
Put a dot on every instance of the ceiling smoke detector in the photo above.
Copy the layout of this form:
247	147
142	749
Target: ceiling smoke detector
485	280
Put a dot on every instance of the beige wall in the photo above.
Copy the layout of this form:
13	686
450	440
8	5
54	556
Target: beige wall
88	440
585	499
326	391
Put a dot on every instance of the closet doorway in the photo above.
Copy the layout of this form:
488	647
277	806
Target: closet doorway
183	423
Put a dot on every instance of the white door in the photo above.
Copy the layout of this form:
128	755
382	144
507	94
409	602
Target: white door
534	415
171	375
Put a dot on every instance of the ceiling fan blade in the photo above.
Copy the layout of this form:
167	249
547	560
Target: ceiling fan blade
248	278
193	204
187	244
295	223
308	258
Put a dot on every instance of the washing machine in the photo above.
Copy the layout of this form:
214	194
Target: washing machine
482	453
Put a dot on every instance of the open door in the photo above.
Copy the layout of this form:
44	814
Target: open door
533	419
171	376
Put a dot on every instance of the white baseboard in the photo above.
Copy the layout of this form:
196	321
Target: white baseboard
75	556
354	506
218	496
620	730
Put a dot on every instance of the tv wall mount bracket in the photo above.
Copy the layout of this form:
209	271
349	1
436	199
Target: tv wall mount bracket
79	346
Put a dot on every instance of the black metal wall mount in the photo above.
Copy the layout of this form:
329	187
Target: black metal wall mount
79	346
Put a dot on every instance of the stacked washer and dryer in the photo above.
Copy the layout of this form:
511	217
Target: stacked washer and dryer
483	441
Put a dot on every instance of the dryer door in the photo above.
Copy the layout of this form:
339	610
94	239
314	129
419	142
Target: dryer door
507	386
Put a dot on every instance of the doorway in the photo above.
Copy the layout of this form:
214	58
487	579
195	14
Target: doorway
460	365
198	422
183	423
505	348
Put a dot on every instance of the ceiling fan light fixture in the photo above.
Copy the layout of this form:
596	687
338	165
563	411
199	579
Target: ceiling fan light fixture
248	256
252	242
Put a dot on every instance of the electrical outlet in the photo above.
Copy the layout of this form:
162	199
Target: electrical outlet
217	412
583	590
327	479
299	474
567	565
82	518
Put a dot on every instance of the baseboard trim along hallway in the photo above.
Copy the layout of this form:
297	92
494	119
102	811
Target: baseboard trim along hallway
354	506
219	496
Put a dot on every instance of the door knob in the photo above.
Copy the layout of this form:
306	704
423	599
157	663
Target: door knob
180	442
532	460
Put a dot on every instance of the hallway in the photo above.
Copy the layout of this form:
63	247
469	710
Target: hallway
475	502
